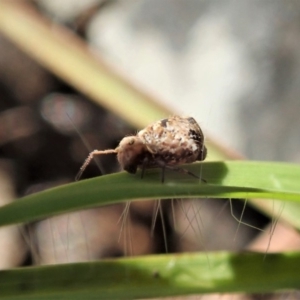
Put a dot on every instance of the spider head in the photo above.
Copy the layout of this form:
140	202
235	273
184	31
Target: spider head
130	153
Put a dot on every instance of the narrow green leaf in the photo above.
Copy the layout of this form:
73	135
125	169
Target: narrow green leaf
238	179
155	276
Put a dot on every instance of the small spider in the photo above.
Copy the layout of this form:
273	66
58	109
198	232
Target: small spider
166	144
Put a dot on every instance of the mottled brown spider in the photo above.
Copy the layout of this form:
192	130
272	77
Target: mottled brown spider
167	144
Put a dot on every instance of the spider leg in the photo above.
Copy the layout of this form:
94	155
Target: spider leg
163	168
161	164
184	171
90	158
144	166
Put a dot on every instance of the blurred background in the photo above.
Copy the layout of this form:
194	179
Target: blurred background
232	65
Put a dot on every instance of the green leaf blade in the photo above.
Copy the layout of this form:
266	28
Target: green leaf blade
224	180
154	276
